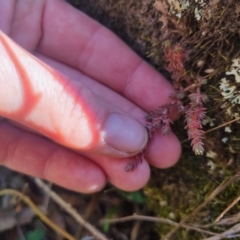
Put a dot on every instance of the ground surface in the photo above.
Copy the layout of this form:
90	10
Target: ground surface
188	41
193	43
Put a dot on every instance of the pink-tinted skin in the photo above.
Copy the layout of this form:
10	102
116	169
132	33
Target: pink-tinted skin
62	74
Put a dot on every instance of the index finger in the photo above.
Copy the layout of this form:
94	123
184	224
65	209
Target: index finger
73	38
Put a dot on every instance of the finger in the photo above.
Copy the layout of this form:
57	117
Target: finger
100	54
164	150
63	110
21	20
36	156
6	13
98	89
115	170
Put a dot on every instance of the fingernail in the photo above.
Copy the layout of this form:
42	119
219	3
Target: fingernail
124	133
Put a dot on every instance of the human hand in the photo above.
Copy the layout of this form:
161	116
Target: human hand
74	98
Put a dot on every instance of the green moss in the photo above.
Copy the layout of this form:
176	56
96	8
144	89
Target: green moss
181	189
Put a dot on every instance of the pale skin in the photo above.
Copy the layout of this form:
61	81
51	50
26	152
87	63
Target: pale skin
73	100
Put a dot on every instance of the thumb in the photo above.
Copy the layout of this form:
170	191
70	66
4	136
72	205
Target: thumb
39	97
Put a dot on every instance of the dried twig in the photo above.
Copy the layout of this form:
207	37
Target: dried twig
136	217
70	210
38	212
227	234
230	220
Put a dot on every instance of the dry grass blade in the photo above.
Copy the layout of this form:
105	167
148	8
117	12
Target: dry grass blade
38	212
89	211
57	199
218	127
223	125
228	208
